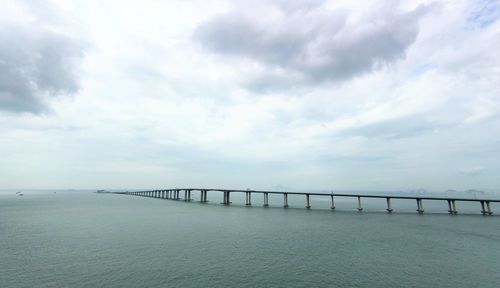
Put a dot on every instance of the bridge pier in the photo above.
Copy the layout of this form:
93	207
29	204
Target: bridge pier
454	206
285	200
308	201
226	200
483	211
248	198
333	203
359	205
185	195
389	208
266	199
488	208
420	208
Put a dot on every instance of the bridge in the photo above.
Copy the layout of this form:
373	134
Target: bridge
175	194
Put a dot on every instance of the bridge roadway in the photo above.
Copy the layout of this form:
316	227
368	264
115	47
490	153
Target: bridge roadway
175	195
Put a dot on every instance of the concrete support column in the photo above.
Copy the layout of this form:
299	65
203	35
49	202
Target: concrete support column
483	211
389	208
420	208
359	204
488	208
249	199
226	200
266	199
189	195
454	207
285	200
449	207
333	203
185	195
308	201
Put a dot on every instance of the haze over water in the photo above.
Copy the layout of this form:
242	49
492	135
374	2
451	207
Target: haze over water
83	239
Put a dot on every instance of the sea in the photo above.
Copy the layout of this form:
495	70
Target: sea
77	238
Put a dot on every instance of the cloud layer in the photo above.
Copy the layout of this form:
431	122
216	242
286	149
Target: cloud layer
308	43
37	63
306	94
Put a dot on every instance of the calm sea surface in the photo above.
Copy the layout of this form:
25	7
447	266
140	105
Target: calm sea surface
83	239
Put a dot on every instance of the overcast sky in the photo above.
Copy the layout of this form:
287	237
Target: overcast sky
302	94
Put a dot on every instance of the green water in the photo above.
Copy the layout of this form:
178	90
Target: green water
77	239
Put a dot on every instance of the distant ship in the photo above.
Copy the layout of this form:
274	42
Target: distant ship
101	191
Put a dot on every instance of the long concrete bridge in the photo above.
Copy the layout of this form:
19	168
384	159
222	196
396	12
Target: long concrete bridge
175	194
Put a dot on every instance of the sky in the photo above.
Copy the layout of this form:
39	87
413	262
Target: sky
341	95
